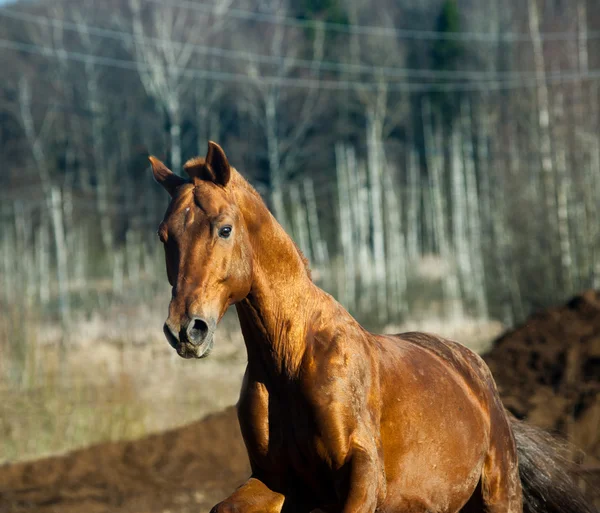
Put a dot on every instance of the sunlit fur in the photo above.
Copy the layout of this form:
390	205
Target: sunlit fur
335	417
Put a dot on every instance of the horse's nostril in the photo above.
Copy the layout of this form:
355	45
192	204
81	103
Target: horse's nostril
197	330
171	336
200	325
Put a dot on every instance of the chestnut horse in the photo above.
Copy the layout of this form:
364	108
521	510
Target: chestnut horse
335	418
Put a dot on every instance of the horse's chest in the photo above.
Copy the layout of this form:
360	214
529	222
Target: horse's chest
303	448
282	437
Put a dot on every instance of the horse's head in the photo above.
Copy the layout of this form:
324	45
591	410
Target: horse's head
209	263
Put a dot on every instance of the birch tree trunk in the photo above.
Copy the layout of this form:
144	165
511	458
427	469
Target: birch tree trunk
563	192
22	248
413	223
433	150
359	217
319	247
508	296
543	106
581	156
366	266
36	140
61	251
118	272
462	253
346	288
103	172
132	253
300	224
276	178
208	125
175	132
509	253
396	250
428	212
375	156
43	263
592	183
476	204
97	107
8	275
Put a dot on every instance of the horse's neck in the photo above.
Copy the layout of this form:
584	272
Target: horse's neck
275	316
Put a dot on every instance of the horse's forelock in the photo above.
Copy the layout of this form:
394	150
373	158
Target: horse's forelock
197	168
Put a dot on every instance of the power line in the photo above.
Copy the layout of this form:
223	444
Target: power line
53	106
371	30
389	71
337	85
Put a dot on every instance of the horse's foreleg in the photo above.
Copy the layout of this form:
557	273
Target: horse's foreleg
252	497
367	482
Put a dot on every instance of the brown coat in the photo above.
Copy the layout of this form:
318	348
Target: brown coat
333	417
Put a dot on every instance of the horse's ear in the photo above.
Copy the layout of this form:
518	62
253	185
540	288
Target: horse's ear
213	168
164	176
217	161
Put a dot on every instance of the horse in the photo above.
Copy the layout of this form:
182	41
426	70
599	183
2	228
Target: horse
335	418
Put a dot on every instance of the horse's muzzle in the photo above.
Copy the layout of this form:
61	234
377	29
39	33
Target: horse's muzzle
194	339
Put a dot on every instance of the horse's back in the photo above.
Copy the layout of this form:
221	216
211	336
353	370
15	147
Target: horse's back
459	358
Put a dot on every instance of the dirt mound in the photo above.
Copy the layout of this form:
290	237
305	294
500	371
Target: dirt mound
187	469
548	372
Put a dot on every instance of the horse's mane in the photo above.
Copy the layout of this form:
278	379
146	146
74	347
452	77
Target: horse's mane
244	184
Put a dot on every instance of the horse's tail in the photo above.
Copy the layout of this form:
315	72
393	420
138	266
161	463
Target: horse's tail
545	473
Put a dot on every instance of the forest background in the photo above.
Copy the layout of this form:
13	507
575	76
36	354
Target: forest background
437	162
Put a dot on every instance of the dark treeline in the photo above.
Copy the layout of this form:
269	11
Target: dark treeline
443	156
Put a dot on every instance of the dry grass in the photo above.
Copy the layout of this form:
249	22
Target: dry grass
53	418
113	382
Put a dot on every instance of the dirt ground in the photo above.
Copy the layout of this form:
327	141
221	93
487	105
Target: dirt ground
183	470
548	371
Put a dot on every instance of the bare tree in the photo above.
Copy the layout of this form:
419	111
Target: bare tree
92	93
434	152
164	46
284	115
476	205
347	231
39	136
543	108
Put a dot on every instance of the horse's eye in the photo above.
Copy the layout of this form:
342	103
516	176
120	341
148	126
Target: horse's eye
225	232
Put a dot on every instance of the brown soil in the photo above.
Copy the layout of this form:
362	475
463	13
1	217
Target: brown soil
183	470
547	370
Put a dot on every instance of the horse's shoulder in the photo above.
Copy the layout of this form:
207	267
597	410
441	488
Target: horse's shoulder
335	369
329	350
